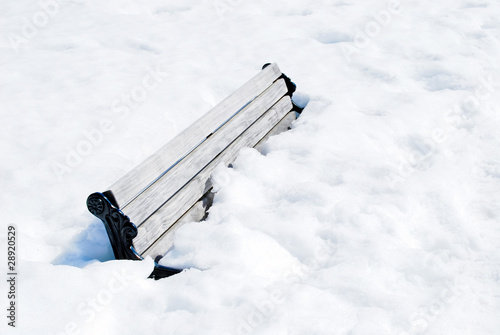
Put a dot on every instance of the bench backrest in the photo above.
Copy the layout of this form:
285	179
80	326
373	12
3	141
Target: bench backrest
171	185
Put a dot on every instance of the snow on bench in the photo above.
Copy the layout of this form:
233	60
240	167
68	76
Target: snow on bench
143	208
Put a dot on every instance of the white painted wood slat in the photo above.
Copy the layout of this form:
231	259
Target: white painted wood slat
197	212
156	226
139	178
282	126
161	245
165	187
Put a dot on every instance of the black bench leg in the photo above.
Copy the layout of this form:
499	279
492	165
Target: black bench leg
120	230
290	85
161	271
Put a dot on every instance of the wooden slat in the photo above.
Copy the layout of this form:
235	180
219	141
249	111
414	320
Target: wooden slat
156	226
162	245
166	187
282	126
139	178
197	212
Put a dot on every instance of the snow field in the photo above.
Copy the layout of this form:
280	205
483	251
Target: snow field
376	214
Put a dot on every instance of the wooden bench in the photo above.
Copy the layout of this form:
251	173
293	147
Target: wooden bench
142	209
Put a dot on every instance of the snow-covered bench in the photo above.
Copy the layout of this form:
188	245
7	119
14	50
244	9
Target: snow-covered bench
142	209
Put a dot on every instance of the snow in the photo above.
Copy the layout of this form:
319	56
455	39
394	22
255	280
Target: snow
376	214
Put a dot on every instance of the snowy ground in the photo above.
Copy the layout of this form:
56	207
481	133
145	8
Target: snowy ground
377	214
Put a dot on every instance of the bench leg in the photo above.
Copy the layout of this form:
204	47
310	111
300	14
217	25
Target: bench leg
161	271
120	230
291	89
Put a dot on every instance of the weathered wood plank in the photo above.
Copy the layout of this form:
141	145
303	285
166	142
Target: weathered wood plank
155	227
180	174
139	178
162	245
281	127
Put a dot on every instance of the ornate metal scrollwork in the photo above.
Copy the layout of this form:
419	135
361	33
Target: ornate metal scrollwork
120	230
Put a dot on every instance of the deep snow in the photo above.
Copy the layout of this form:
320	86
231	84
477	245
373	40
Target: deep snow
377	213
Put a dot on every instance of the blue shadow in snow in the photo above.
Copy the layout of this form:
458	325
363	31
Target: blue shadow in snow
89	246
300	99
